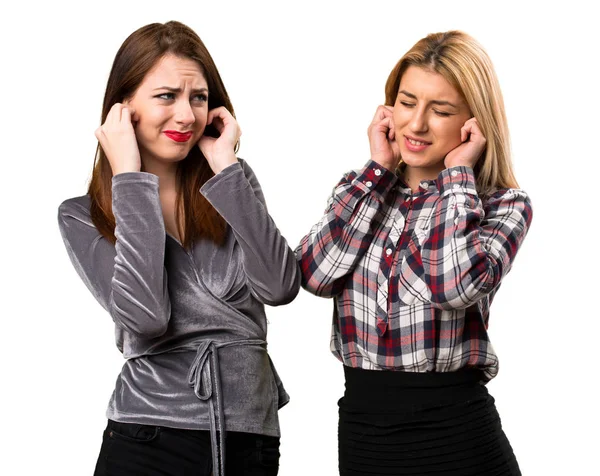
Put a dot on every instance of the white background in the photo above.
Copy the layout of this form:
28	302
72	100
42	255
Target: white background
305	80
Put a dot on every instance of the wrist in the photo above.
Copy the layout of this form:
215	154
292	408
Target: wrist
125	168
386	162
459	163
220	163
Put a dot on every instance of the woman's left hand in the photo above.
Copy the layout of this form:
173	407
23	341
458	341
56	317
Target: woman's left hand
219	151
473	144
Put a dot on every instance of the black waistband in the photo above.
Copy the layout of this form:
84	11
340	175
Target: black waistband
389	388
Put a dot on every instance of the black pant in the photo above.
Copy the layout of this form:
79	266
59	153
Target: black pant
130	449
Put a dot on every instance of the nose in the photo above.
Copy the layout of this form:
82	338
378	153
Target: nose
418	120
184	114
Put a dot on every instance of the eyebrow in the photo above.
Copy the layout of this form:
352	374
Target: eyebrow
439	103
178	90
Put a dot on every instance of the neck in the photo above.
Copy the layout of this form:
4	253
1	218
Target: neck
413	176
165	171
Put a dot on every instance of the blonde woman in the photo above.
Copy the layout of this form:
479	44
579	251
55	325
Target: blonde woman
413	248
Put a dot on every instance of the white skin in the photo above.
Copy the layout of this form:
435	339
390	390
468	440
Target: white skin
172	97
430	127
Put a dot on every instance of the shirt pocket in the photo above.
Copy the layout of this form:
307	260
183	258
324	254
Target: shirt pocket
132	432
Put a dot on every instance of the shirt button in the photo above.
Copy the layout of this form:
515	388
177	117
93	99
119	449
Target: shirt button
425	185
377	172
388	251
454	173
369	183
456	186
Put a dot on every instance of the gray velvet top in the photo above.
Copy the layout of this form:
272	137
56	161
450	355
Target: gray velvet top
191	323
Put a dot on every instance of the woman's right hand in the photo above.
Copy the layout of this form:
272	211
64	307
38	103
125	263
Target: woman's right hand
118	141
382	138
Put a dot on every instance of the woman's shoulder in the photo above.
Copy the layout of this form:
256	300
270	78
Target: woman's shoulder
502	193
515	199
76	207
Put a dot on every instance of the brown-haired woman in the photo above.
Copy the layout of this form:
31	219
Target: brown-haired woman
413	248
175	242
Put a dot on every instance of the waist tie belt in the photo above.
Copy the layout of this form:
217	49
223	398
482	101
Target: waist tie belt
205	377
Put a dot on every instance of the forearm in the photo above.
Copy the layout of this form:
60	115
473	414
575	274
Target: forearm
127	279
468	250
329	253
268	261
139	300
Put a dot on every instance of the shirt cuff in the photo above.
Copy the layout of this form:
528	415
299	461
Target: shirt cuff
457	179
375	178
139	177
222	175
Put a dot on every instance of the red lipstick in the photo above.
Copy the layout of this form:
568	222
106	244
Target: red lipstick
178	136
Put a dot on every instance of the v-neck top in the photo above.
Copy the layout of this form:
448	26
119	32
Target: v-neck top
190	322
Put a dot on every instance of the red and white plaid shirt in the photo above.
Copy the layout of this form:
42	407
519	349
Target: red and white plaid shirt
413	275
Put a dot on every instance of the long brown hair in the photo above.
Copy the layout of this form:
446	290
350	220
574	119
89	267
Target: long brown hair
467	67
196	217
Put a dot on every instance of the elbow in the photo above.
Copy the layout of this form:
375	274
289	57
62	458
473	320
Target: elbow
150	328
464	289
151	331
321	289
452	303
144	323
282	292
155	327
280	299
461	296
316	282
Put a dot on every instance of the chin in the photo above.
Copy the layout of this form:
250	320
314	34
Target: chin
421	162
175	154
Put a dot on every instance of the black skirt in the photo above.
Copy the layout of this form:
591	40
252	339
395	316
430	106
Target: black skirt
405	423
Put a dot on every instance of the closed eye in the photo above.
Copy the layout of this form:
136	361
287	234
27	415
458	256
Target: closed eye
442	113
407	104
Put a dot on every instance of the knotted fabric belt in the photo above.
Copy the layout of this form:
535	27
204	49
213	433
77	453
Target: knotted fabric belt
205	377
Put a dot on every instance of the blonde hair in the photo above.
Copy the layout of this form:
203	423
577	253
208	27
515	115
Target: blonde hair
466	66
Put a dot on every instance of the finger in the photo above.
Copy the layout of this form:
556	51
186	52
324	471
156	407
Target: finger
392	132
126	115
218	124
385	125
474	131
386	109
135	118
380	114
463	134
225	123
114	115
220	112
475	127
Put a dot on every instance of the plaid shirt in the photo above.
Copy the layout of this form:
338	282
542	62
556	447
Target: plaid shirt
413	275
